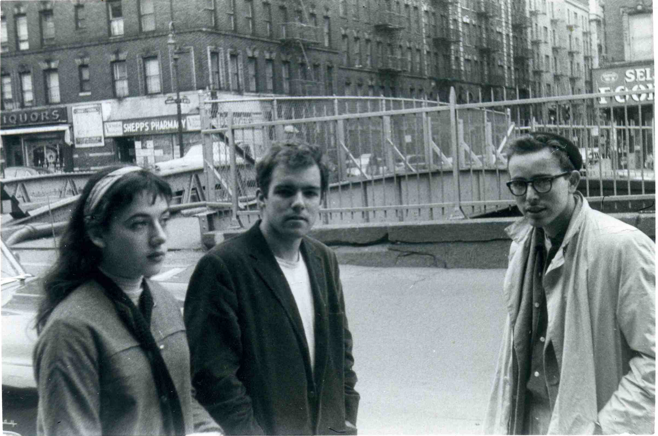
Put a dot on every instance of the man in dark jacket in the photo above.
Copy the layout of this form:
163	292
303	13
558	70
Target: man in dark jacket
265	315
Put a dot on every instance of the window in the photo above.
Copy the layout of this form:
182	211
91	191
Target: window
4	35
545	34
152	75
215	79
210	10
230	11
410	62
269	75
342	8
316	74
7	94
79	12
26	89
418	19
407	13
83	75
267	9
356	10
419	68
327	32
47	27
329	79
303	78
235	72
368	54
380	53
116	17
52	86
286	77
284	19
147	15
346	53
357	52
120	77
21	32
253	75
547	62
249	4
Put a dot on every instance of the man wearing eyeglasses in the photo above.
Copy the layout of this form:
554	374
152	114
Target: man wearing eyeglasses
578	351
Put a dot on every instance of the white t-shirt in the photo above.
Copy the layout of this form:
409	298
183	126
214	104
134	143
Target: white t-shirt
300	284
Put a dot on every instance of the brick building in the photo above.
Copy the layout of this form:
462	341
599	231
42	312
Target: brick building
86	83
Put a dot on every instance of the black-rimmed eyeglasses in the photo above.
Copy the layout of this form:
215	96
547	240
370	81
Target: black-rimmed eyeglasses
541	185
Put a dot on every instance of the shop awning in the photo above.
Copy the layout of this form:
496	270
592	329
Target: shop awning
36	129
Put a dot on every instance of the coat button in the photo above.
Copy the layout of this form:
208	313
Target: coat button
162	347
311	394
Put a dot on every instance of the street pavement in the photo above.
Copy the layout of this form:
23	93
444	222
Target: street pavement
425	339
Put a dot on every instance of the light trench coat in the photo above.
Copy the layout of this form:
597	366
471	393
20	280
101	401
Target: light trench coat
600	292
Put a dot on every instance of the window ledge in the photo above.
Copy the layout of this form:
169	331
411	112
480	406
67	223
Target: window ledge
83	94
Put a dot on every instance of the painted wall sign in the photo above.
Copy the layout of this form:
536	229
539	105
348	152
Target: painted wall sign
152	126
626	78
34	117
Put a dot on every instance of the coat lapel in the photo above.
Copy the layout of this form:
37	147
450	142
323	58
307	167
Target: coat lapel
317	276
268	269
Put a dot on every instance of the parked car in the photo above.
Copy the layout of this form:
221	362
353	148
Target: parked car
369	164
20	172
193	159
20	299
21	295
417	162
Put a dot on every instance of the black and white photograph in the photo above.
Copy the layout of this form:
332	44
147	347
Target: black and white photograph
327	217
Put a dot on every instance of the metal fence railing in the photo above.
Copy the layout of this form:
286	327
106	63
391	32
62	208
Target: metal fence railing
398	159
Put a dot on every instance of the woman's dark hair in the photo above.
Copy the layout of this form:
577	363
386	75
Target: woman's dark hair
78	256
293	155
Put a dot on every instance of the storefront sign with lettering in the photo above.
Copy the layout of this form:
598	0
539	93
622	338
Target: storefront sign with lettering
152	126
34	117
88	125
627	78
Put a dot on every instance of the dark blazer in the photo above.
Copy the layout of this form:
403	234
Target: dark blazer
250	361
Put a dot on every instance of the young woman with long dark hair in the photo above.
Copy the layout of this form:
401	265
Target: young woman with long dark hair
112	356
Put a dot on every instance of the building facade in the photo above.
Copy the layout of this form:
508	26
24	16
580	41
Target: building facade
87	83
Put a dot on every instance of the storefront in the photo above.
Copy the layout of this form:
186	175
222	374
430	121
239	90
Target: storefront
146	141
39	138
631	116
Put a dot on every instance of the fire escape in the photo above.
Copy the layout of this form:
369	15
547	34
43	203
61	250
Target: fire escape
297	36
389	23
445	35
487	41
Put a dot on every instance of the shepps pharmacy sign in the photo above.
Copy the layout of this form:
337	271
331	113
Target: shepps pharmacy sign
627	78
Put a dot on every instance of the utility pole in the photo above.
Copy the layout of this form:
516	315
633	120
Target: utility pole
173	58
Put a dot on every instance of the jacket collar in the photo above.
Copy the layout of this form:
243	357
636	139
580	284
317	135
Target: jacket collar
521	229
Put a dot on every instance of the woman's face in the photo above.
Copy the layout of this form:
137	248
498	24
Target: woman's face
135	243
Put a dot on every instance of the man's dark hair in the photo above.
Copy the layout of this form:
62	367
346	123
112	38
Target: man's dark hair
565	151
294	155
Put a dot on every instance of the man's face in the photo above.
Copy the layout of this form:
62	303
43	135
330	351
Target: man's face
290	206
551	210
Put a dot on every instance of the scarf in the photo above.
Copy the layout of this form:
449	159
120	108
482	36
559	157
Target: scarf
138	321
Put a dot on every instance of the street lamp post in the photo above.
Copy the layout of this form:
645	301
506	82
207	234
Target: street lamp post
173	57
